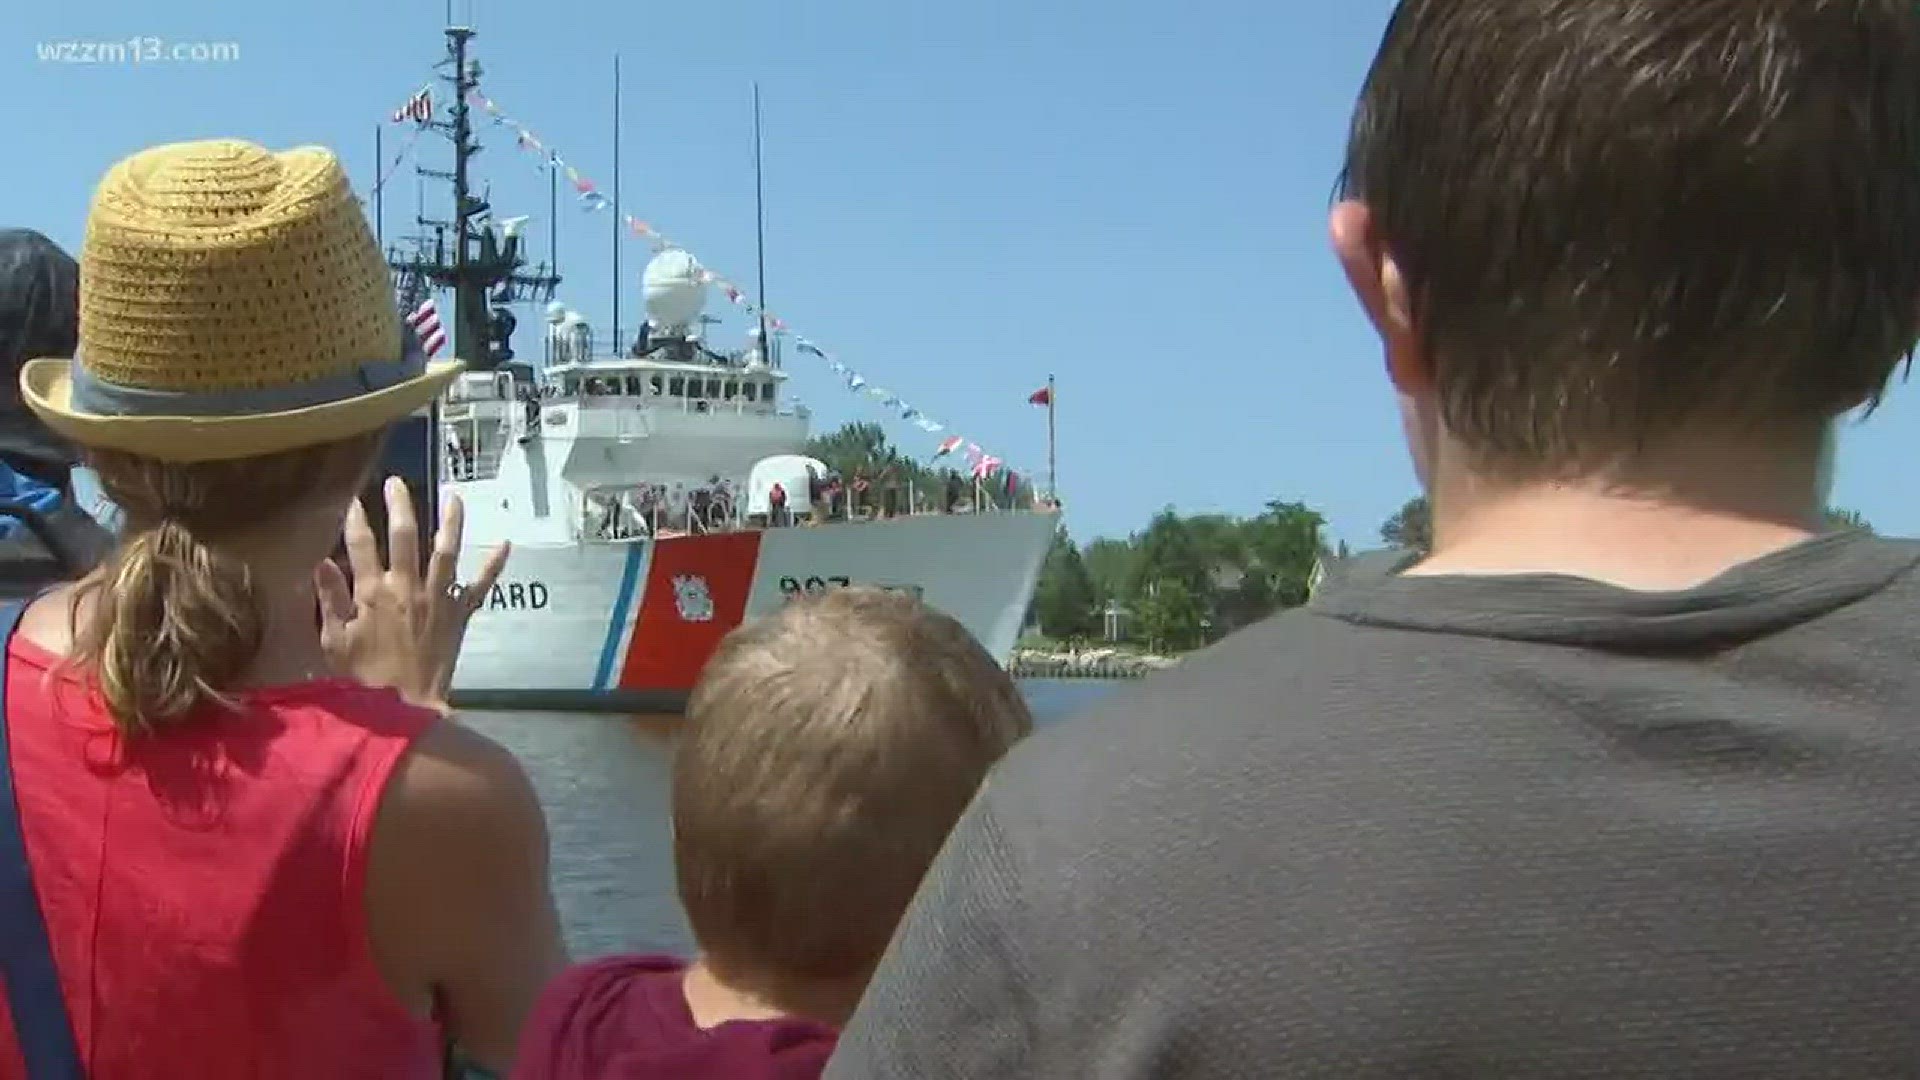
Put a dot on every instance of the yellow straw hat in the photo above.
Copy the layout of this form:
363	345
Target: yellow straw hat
233	303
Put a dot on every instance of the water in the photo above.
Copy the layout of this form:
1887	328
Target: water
603	781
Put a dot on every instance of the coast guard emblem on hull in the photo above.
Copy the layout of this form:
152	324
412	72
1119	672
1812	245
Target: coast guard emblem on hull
691	597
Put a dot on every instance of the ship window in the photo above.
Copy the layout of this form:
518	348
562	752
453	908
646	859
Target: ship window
713	388
677	387
732	391
635	386
766	392
696	389
746	389
654	381
572	384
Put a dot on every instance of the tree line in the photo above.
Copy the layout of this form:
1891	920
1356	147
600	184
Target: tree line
1185	581
1411	526
1181	582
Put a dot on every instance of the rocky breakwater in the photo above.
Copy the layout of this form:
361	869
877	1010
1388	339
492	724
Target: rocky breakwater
1084	664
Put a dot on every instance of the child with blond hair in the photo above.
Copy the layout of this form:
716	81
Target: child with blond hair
828	751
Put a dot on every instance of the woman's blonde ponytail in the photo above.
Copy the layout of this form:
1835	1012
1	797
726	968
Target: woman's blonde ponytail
174	622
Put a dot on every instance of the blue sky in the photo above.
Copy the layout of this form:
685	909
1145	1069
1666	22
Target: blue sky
962	199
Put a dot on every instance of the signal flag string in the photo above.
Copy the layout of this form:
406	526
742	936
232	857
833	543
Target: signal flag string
981	464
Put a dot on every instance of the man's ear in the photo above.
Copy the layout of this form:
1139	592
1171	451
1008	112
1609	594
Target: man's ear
1350	226
1382	291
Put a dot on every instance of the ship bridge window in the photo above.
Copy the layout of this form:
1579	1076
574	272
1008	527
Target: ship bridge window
732	390
747	390
654	382
766	392
635	386
678	387
570	385
713	388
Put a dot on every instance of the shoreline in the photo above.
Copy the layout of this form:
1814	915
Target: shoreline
1084	664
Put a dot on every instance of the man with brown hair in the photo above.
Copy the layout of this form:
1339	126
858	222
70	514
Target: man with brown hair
828	751
1623	779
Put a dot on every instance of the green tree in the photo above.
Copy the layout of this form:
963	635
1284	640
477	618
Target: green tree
1840	519
863	449
1287	539
1066	601
1220	540
1169	617
1228	571
856	447
1169	550
1109	563
1411	526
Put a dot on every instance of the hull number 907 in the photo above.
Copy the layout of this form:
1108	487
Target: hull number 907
791	587
812	586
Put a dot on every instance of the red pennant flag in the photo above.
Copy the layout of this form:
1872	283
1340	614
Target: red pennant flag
1042	396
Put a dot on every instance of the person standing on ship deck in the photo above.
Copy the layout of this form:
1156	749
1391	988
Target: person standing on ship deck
777	499
259	844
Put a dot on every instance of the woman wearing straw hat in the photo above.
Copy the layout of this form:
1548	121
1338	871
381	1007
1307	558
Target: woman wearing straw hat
248	861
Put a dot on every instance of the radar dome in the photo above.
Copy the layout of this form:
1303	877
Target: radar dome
675	288
556	311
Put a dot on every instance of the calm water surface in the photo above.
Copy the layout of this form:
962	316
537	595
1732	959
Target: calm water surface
604	783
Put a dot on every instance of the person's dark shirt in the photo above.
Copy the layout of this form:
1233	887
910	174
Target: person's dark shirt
1526	826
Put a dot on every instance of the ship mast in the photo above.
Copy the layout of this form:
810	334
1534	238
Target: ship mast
619	348
767	352
469	291
485	280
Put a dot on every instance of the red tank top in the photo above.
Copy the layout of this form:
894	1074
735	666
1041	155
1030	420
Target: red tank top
204	889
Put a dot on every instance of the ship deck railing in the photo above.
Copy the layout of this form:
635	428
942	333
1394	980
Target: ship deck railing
631	527
481	466
667	403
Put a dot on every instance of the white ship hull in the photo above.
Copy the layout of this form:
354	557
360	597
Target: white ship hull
629	626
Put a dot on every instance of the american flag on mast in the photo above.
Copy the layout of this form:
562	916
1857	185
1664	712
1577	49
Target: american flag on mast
419	107
425	321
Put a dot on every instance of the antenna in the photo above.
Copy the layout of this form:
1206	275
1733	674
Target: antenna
617	285
760	233
379	192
